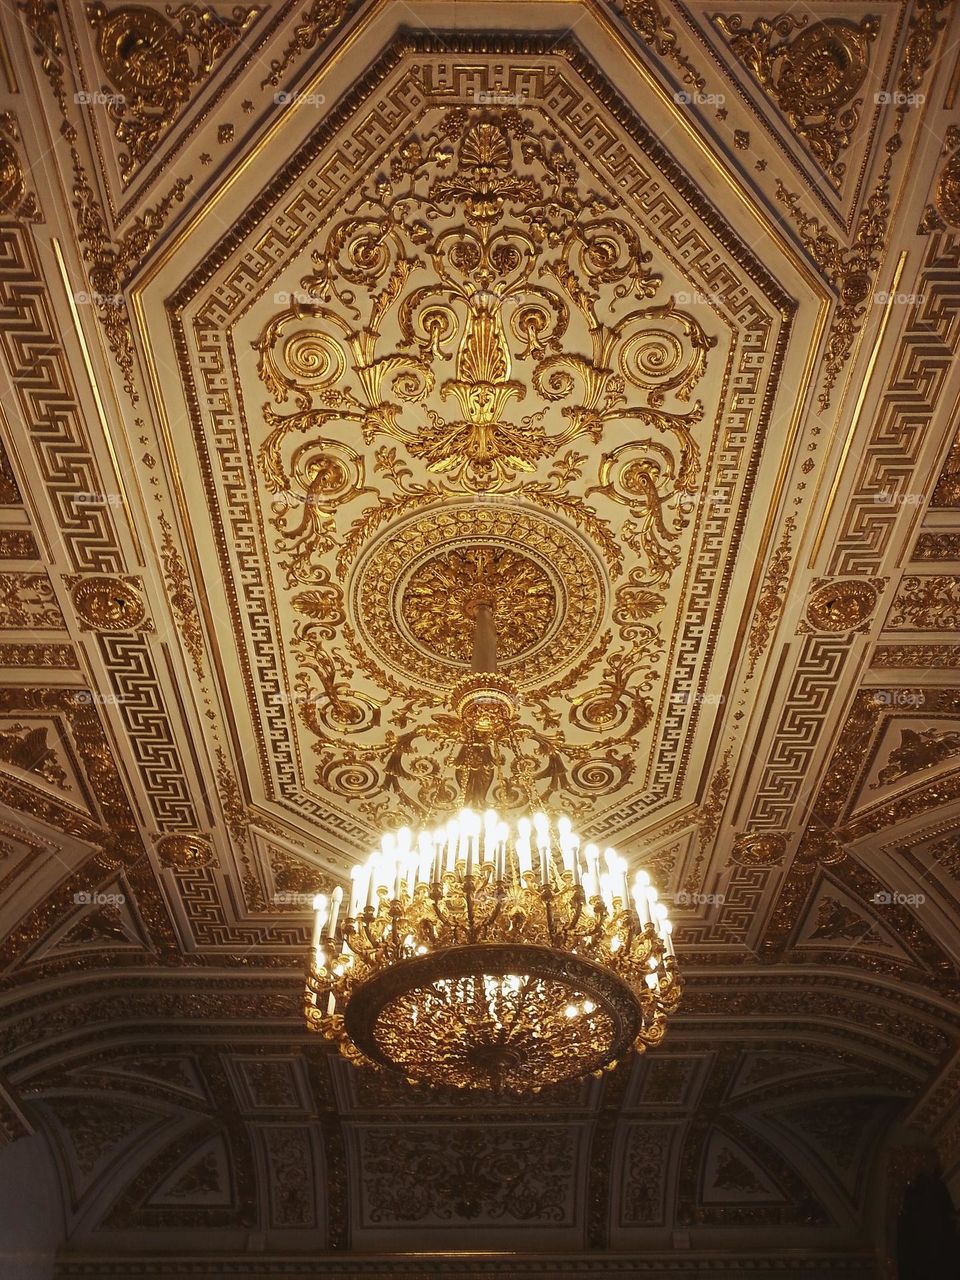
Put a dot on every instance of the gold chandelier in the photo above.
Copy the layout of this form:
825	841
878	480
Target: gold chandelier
482	954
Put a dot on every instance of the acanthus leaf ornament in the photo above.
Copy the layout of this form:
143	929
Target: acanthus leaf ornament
529	255
479	309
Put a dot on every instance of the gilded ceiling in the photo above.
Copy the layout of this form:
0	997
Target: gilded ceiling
323	323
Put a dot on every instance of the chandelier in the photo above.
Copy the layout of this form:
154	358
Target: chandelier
486	954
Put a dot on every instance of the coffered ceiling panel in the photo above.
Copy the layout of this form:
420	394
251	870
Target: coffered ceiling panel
324	324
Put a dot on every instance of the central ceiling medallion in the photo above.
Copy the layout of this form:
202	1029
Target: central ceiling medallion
442	594
415	591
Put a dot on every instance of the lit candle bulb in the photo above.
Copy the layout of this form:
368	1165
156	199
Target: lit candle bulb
490	823
425	865
502	833
470	828
666	928
319	919
387	863
618	875
372	876
334	912
641	883
356	890
542	828
453	840
564	831
606	889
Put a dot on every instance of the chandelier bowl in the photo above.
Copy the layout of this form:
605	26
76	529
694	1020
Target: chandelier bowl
506	1017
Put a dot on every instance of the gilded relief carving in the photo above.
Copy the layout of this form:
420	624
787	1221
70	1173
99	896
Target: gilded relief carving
322	17
27	749
813	74
180	595
475	255
927	603
517	224
948	185
772	595
108	604
841	606
153	62
15	200
919	749
759	849
653	27
852	270
28	603
185	852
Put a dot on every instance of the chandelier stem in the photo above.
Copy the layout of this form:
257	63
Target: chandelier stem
484	639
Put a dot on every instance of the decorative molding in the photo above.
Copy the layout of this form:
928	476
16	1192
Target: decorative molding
320	19
853	270
647	19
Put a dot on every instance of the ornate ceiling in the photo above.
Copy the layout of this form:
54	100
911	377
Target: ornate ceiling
320	323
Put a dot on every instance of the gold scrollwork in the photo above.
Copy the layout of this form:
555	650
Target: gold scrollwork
154	62
947	197
812	77
15	201
523	269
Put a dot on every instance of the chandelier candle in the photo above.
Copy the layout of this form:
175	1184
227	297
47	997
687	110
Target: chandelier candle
485	955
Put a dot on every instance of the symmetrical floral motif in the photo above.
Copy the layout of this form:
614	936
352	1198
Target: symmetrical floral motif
477	250
523	1175
487	308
